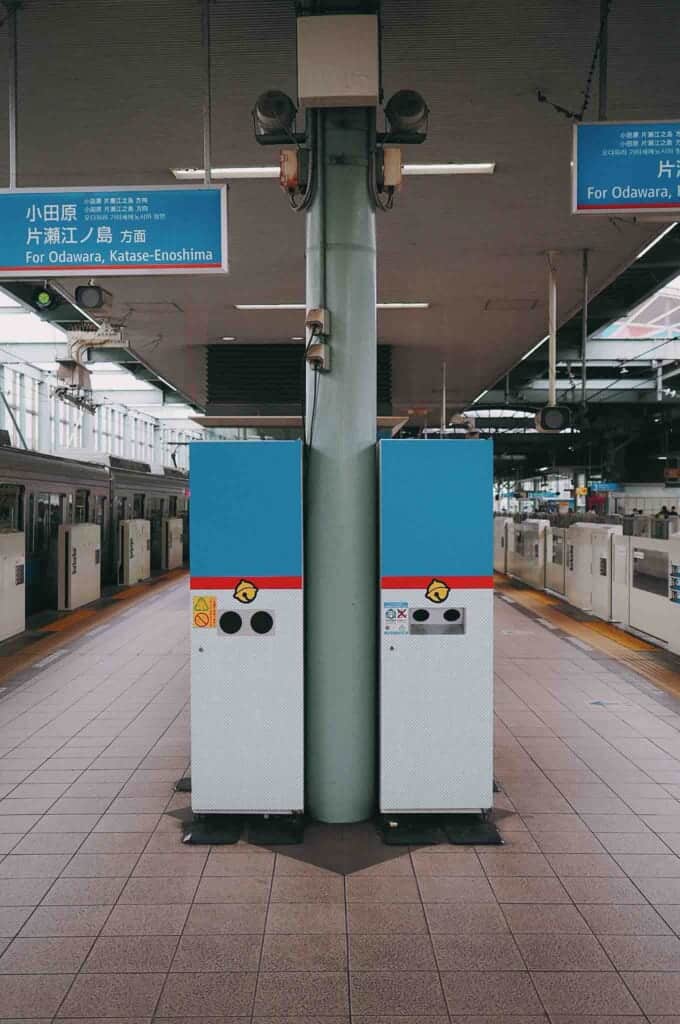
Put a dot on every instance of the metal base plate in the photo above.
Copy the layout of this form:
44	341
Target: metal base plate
214	830
428	830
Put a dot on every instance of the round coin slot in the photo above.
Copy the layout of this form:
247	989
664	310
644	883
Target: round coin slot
230	622
261	622
421	615
451	615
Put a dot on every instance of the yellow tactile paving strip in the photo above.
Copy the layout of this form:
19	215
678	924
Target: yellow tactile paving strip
74	623
639	655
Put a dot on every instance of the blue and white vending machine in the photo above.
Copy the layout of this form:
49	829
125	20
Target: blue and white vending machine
247	705
436	626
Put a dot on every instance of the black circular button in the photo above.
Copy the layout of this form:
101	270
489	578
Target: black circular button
261	622
230	622
451	615
421	615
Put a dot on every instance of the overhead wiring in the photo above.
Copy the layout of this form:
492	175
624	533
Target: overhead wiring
580	114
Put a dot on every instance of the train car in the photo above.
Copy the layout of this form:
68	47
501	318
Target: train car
40	493
139	493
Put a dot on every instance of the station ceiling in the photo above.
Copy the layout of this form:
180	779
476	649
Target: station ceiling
111	93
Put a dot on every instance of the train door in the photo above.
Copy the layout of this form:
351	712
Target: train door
120	513
47	512
156	509
99	516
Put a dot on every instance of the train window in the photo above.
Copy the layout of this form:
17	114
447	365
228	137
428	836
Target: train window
173	505
138	506
11	507
122	509
82	506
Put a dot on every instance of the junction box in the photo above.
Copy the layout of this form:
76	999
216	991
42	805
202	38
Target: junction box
436	626
338	60
247	705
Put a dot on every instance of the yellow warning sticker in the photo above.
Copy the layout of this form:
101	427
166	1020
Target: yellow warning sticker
204	612
437	591
245	591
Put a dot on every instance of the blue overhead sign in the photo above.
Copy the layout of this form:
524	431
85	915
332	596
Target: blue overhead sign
109	231
626	166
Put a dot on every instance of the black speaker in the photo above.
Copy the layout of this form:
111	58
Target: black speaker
553	418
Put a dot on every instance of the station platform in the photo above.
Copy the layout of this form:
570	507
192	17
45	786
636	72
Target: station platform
105	914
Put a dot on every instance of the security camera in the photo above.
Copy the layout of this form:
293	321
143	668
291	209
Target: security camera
407	115
274	118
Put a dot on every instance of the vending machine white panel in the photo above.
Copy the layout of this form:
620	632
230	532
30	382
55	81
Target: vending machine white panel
172	540
247	703
436	626
80	569
500	543
601	540
621	579
135	550
12	583
532	570
651	610
555	557
579	567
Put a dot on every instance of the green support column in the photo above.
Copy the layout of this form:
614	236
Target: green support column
340	486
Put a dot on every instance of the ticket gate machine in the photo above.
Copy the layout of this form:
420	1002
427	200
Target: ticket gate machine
246	627
436	626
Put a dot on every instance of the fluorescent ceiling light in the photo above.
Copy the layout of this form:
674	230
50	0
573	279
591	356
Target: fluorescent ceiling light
300	305
227	339
655	241
535	348
270	305
402	305
479	168
166	382
272	171
480	396
225	173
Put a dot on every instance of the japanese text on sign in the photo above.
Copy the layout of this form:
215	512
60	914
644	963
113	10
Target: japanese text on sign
119	231
632	167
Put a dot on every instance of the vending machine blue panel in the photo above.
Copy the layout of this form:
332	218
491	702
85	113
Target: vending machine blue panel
246	627
436	625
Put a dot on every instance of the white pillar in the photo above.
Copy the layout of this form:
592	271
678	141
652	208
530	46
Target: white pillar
87	440
44	432
21	382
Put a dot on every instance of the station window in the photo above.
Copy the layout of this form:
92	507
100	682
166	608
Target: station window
11	507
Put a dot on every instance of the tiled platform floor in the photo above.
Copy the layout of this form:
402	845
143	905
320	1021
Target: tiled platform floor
104	914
